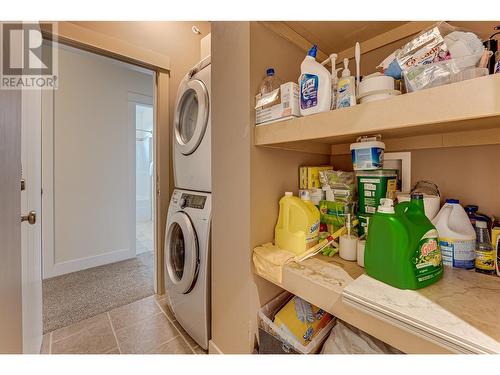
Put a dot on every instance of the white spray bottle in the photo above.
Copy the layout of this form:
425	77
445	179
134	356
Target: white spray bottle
346	92
335	79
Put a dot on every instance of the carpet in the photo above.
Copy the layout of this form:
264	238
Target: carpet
70	298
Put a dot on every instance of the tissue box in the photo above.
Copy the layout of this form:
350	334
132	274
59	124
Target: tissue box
286	100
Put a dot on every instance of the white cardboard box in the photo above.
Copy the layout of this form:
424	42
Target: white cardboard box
288	107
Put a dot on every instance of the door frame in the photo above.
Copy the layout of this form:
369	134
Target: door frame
89	40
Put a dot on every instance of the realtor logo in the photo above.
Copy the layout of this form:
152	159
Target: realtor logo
26	63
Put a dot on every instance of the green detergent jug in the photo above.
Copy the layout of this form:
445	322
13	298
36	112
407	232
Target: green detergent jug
402	248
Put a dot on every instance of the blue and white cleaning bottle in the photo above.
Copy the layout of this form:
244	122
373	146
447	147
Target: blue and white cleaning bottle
315	85
346	88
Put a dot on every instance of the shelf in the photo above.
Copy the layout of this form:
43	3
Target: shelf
446	116
321	280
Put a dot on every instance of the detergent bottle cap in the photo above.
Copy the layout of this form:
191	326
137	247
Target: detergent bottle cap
288	194
312	52
386	206
471	208
270	72
346	72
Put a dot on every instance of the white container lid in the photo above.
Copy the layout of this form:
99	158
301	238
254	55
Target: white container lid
369	144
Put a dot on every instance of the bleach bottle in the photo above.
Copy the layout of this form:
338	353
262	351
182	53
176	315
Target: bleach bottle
457	236
315	85
402	248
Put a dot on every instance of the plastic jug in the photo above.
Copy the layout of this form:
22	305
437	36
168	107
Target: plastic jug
315	85
457	236
402	248
297	228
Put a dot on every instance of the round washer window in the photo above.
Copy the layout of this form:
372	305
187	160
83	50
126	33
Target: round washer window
188	115
177	251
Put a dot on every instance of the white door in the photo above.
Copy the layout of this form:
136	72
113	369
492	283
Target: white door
31	235
181	254
191	115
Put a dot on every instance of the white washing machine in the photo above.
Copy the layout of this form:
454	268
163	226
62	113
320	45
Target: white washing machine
192	130
187	262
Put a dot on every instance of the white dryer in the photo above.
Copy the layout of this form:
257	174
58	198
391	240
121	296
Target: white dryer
192	130
187	262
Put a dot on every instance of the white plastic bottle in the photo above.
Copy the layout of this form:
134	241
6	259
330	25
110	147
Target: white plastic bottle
315	85
457	237
346	91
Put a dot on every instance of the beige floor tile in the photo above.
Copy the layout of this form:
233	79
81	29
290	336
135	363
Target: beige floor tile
130	314
160	297
92	336
45	348
97	322
175	346
188	338
166	308
199	350
113	351
146	335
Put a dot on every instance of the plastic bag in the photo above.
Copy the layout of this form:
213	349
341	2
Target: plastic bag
340	184
346	339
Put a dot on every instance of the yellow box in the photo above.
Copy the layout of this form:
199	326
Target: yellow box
301	319
309	176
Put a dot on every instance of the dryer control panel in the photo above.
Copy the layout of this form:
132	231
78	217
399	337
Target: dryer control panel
192	201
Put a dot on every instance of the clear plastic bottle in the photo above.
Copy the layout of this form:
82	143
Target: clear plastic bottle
270	83
485	255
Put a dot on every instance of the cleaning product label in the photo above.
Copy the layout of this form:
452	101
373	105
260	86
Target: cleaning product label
364	159
372	189
308	91
485	260
313	235
427	259
458	253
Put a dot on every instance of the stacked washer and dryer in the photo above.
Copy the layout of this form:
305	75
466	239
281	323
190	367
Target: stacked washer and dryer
187	239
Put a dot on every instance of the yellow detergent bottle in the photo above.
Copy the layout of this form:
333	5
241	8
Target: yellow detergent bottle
298	224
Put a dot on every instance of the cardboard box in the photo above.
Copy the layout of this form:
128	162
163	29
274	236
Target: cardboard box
301	319
280	104
309	176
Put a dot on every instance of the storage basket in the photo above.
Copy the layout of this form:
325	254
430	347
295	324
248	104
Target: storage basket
273	340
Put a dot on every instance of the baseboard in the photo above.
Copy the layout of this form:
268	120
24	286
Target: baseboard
213	349
88	262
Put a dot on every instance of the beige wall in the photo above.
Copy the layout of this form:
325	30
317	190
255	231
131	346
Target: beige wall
245	192
466	173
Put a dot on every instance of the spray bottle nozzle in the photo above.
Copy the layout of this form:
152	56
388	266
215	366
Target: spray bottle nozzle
346	72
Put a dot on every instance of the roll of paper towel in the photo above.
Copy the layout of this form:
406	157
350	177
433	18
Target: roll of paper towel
432	203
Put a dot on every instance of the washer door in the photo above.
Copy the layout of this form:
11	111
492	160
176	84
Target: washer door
191	115
181	253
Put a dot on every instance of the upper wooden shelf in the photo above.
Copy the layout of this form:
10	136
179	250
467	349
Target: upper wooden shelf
439	114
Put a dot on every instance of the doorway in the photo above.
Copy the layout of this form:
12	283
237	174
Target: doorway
97	181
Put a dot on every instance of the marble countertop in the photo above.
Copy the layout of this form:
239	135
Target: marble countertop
460	313
462	309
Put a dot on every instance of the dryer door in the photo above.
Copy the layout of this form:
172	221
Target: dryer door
191	115
181	253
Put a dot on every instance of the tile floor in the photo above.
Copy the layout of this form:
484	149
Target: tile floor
146	326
